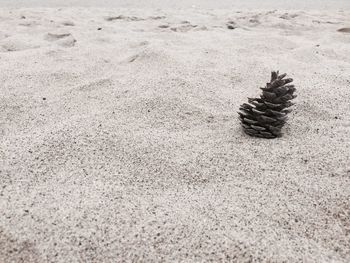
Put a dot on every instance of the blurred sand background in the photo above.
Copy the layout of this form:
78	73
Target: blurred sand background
183	4
119	137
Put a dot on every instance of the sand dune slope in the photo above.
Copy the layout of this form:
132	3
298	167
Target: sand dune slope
120	140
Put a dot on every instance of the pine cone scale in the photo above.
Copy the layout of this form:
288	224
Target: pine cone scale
258	128
258	111
249	121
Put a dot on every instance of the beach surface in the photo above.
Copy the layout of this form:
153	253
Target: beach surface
120	142
185	4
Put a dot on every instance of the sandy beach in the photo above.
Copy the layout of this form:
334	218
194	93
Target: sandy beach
120	139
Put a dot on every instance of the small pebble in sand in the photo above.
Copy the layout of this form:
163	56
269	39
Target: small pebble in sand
100	28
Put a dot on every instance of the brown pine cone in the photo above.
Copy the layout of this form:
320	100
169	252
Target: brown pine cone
265	116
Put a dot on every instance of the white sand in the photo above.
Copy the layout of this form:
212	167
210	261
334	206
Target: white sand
123	144
212	4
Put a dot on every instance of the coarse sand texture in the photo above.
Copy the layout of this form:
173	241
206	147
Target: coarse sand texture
119	137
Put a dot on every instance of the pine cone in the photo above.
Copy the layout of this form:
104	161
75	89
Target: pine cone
265	116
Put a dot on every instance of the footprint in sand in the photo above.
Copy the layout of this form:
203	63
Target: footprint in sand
156	17
187	26
29	23
184	28
64	39
163	26
68	23
148	55
254	21
132	18
3	35
139	44
122	17
56	36
18	43
288	16
344	30
250	21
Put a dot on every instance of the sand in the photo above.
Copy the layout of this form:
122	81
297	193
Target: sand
120	140
184	4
